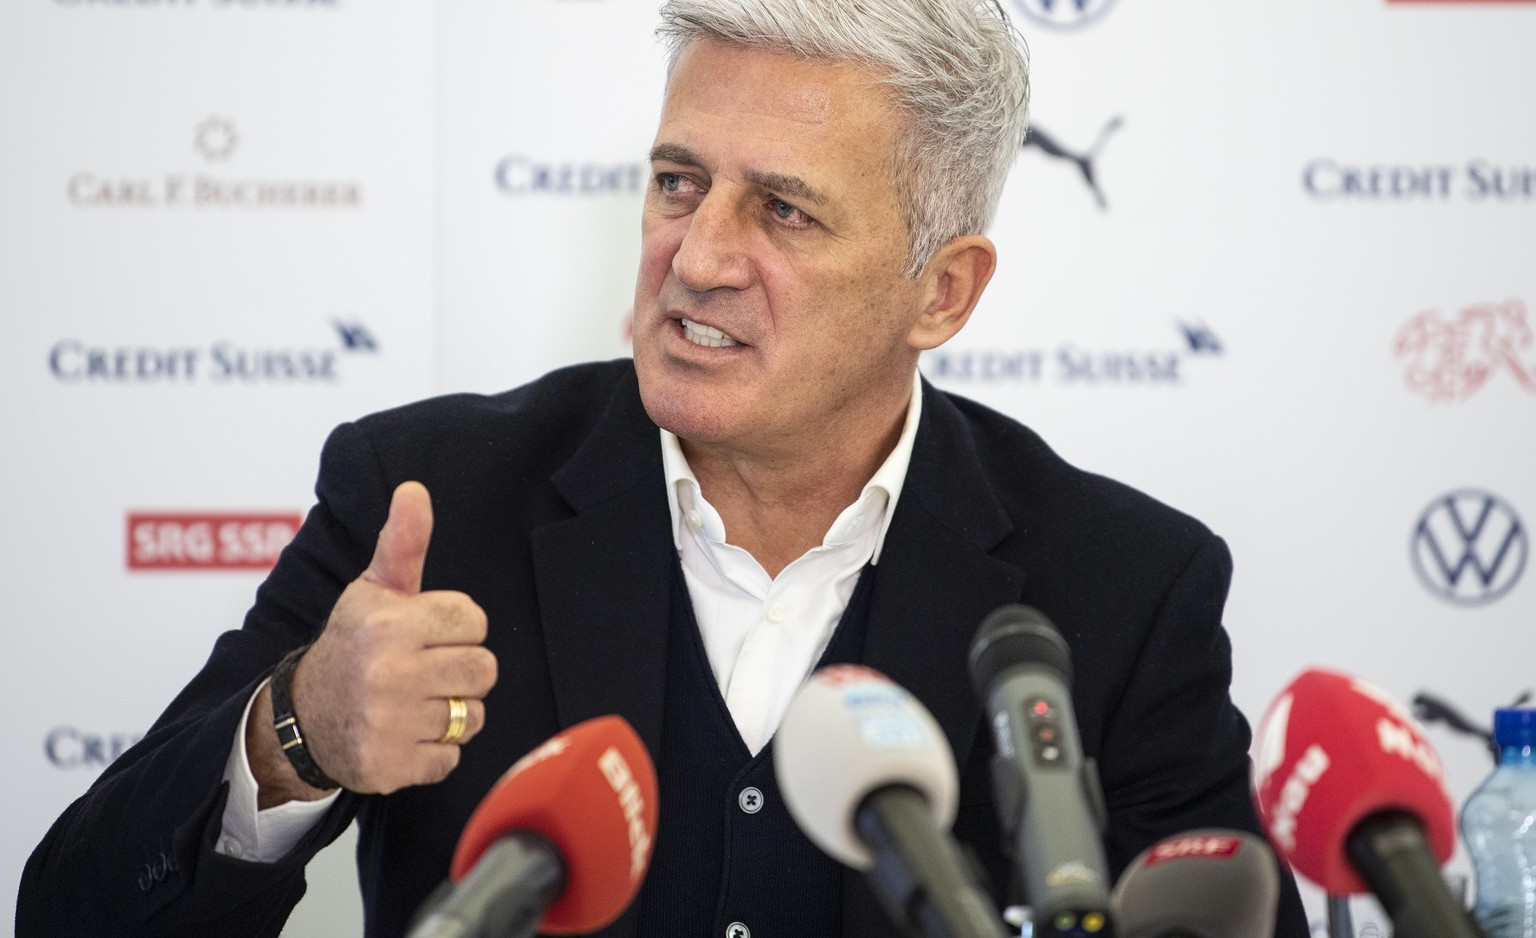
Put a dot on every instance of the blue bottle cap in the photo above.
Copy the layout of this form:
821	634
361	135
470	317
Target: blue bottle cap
1514	727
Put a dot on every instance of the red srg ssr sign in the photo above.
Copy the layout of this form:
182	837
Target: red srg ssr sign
208	541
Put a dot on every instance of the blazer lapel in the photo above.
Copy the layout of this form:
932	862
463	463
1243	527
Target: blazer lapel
935	582
604	575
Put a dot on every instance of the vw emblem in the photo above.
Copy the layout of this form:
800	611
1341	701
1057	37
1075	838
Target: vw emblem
1064	14
1469	547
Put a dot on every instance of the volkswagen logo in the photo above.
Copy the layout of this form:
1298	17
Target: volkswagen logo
1063	14
1469	547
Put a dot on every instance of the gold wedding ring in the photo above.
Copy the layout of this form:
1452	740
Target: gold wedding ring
458	715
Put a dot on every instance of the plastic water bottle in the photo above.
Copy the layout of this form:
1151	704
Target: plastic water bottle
1499	824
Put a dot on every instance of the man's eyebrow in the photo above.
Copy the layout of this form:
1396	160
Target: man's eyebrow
780	183
784	184
674	153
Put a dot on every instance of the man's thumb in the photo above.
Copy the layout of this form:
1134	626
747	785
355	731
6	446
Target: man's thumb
402	548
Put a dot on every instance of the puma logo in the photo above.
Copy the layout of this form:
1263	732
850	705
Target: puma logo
1047	144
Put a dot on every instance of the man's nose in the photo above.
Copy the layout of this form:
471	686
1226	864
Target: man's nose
715	250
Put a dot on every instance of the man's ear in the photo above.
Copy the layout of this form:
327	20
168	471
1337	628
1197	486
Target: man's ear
953	281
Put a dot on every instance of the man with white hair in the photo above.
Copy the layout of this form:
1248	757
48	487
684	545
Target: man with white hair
769	485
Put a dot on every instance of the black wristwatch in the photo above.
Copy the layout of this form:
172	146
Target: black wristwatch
287	725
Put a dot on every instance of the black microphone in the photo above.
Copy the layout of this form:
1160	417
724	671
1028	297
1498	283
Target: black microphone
1394	857
1048	795
1201	884
503	896
867	774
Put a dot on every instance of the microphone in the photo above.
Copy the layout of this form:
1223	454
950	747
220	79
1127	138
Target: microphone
1048	795
867	774
560	844
1354	798
1201	884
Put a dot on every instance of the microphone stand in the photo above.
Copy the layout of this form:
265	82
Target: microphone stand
1340	923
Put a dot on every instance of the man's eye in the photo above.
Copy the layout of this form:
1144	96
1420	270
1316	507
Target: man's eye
788	214
671	182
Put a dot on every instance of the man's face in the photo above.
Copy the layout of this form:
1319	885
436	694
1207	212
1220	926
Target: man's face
771	229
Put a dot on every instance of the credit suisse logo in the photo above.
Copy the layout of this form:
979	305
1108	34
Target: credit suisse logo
180	186
1469	547
1476	181
208	4
519	174
1063	14
184	541
1450	358
1073	364
71	747
81	361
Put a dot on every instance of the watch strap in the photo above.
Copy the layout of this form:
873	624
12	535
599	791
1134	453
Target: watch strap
286	723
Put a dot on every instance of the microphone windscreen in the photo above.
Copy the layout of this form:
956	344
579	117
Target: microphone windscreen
1331	751
850	731
591	792
1202	884
1014	636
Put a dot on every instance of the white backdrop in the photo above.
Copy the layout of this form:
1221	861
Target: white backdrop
1301	312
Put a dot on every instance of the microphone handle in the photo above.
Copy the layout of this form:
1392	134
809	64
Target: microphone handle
1341	924
919	873
1050	803
1391	854
503	896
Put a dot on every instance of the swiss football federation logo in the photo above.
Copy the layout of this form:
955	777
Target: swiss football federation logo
1451	358
1063	14
1469	547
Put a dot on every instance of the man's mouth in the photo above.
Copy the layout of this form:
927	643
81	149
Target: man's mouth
707	336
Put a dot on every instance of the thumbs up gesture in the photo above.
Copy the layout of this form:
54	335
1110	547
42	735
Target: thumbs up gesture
372	693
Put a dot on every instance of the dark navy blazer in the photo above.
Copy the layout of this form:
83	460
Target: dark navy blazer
551	512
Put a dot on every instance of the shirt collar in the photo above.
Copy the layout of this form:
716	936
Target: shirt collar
685	498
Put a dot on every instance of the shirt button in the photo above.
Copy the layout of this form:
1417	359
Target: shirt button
775	613
695	520
737	930
234	849
751	801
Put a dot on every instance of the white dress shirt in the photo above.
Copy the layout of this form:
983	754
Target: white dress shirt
762	634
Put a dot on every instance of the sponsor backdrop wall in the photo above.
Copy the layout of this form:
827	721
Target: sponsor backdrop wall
1269	262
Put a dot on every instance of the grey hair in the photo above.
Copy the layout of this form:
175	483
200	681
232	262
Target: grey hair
958	71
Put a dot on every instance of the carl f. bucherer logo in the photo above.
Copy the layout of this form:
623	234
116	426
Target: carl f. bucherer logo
180	187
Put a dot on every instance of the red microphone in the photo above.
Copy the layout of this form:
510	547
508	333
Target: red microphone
560	844
1354	798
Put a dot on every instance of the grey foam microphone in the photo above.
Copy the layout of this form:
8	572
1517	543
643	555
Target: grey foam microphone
867	774
1048	796
1201	884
